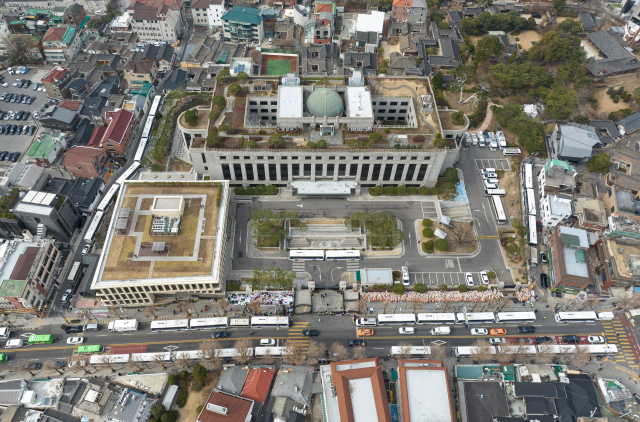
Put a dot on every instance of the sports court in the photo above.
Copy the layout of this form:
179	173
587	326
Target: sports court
274	65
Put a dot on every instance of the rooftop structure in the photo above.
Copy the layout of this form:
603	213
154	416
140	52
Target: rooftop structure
570	267
223	407
130	273
232	379
258	383
573	142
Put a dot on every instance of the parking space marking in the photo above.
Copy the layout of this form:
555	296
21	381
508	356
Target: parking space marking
454	278
496	163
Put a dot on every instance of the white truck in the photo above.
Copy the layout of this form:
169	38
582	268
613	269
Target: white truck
605	316
4	332
440	331
123	325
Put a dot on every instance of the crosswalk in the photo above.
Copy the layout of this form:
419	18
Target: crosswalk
429	210
295	336
298	266
615	334
353	266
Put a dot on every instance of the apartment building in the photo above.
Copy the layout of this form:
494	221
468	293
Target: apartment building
61	44
412	11
162	23
243	24
57	82
214	13
139	72
85	162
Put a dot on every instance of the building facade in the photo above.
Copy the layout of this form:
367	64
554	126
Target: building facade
140	72
85	162
242	24
61	44
47	214
156	23
57	82
214	13
569	266
555	209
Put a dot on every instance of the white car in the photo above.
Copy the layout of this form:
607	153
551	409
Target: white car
596	339
484	277
85	250
36	115
469	278
11	72
75	340
479	332
406	330
496	340
66	295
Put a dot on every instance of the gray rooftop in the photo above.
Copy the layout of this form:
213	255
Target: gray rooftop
133	407
293	381
232	379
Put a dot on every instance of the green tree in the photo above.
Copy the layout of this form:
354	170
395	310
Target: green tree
199	373
224	129
359	143
569	26
444	25
94	23
420	288
599	163
219	101
375	137
582	119
440	143
458	118
234	89
438	80
191	117
181	401
252	144
398	289
488	46
555	45
383	67
427	232
441	245
391	190
269	228
276	141
242	76
272	278
427	222
560	102
463	288
223	75
168	417
157	409
213	139
559	5
381	228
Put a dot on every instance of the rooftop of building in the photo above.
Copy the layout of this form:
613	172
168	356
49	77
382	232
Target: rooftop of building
82	155
244	15
257	385
294	381
128	251
559	204
223	407
425	391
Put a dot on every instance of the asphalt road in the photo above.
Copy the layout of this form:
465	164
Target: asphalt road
332	329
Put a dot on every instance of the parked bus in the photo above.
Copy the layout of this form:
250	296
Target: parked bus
170	325
74	271
531	202
84	350
511	151
492	192
239	322
527	176
517	350
468	351
476	318
533	233
123	325
498	210
396	319
343	255
588	316
113	359
443	318
592	349
313	255
272	321
208	323
533	255
40	339
519	317
410	350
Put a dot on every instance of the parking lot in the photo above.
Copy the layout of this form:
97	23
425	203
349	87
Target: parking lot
20	143
496	163
437	279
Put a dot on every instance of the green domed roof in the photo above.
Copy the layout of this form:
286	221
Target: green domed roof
325	102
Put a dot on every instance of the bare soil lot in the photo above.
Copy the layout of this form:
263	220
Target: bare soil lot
526	38
454	97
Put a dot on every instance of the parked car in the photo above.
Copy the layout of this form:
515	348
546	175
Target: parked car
524	340
484	277
357	342
479	332
526	329
596	339
543	258
536	15
10	70
220	334
469	278
543	339
496	340
571	339
544	281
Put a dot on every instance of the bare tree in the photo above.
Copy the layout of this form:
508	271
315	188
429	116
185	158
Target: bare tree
437	351
566	353
403	350
25	365
339	352
150	310
87	314
51	366
223	305
292	353
108	361
584	95
518	352
590	303
184	308
544	352
362	306
460	234
628	302
254	306
503	354
183	360
580	356
481	350
158	359
210	354
359	352
415	305
133	364
115	311
315	351
386	306
268	357
244	352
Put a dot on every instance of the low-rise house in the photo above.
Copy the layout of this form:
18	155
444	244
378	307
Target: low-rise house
58	118
19	175
287	34
367	40
139	72
590	214
622	203
615	59
588	20
573	142
569	266
555	209
401	65
448	40
625	171
556	176
365	62
121	126
57	81
199	13
45	149
86	162
323	28
320	60
412	11
258	384
79	89
629	124
164	56
223	407
232	379
74	15
45	214
61	44
606	130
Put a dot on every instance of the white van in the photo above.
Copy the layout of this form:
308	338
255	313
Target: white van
605	316
488	170
4	332
490	186
441	331
366	322
634	313
13	344
492	181
267	342
405	276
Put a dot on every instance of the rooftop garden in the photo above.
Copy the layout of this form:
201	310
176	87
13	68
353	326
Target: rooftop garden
7	202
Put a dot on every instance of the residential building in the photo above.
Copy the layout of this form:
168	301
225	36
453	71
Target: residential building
46	148
412	11
85	194
58	118
47	214
556	176
320	60
625	169
61	44
590	214
119	132
162	23
400	65
573	142
370	22
621	202
85	162
75	15
20	176
258	384
79	89
214	13
555	209
588	20
367	40
423	391
616	60
448	40
137	280
366	63
569	266
164	56
606	130
355	391
323	30
223	407
291	393
232	379
57	82
199	13
140	72
29	273
242	24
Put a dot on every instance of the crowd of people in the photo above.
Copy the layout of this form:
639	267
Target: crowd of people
265	298
449	296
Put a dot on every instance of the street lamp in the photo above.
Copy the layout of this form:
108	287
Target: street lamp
319	272
332	273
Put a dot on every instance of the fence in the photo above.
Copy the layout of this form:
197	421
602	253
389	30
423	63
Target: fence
279	51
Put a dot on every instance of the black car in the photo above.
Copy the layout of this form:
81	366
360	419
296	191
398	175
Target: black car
239	254
526	329
536	15
358	342
14	157
19	130
310	333
544	281
571	339
544	339
69	329
26	115
27	83
220	334
36	366
32	130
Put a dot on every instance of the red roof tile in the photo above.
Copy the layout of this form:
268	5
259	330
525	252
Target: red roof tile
55	74
81	155
70	105
23	264
96	136
324	7
55	34
256	387
139	66
237	408
156	3
120	121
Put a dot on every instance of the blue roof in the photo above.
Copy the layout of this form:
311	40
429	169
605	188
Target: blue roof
243	15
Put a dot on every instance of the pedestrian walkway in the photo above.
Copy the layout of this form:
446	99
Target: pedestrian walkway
429	210
353	266
299	267
615	333
295	336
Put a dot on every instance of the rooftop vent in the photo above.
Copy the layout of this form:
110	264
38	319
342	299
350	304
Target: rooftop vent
217	409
